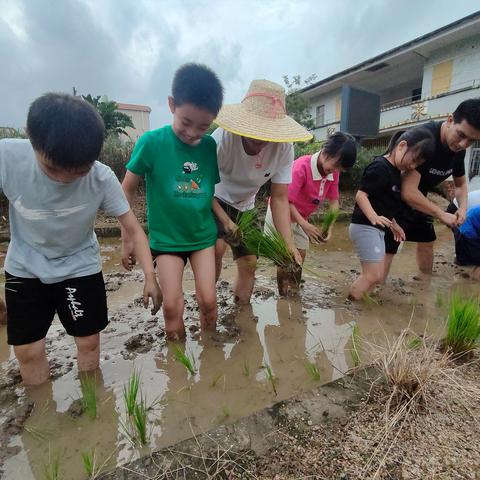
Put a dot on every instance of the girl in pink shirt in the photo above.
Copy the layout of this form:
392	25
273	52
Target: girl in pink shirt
314	180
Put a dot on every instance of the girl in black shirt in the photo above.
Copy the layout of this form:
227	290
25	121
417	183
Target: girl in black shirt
378	202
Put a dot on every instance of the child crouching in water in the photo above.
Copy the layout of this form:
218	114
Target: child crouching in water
378	204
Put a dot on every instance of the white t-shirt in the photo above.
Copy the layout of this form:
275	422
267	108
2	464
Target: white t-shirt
242	175
52	223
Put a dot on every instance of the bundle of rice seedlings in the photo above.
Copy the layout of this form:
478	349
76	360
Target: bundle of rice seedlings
270	245
329	218
130	392
463	325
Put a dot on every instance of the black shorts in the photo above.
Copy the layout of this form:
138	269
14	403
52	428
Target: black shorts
417	229
238	250
81	305
183	255
467	250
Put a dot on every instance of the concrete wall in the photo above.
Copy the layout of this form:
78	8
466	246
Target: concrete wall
140	119
465	68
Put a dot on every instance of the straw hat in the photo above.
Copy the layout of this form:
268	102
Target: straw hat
262	115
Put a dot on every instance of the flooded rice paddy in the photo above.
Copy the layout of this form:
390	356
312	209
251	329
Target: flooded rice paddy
261	353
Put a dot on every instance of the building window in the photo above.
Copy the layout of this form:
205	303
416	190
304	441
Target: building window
474	168
320	115
416	94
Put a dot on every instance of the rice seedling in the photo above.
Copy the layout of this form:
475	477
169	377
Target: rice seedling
136	427
270	377
185	359
88	387
140	420
329	218
89	460
439	300
369	300
463	325
91	465
37	433
130	392
217	378
312	370
225	412
246	368
51	470
355	346
414	342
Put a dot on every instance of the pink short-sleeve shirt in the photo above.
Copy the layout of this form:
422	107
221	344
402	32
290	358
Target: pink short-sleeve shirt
308	188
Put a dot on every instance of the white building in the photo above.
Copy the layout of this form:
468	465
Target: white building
140	115
424	79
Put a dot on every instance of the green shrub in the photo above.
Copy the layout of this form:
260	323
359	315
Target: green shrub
116	154
9	132
350	180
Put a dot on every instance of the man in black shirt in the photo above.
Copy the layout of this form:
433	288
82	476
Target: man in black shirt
452	138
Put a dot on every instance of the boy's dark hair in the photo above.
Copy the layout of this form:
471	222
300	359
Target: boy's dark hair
199	85
66	129
468	110
343	144
419	140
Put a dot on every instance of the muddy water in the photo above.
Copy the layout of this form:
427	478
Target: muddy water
231	376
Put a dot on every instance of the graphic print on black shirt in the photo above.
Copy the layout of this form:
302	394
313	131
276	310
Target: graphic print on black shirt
381	182
443	164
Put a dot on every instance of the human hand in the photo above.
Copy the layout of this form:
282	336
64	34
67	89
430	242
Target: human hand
152	290
128	254
296	255
398	232
448	219
329	234
313	232
461	215
232	234
381	221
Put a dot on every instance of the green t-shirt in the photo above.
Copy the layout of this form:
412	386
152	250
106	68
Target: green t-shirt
180	181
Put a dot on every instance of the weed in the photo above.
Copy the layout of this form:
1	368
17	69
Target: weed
463	325
130	392
312	370
185	359
89	394
414	342
270	377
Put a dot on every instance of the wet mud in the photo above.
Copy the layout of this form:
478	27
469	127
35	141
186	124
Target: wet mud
258	356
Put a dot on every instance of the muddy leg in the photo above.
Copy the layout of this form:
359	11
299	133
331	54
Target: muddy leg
33	362
88	352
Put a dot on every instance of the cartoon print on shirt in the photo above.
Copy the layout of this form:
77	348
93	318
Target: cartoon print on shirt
188	181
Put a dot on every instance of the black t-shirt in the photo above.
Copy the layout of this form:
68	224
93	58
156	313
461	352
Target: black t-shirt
381	182
443	164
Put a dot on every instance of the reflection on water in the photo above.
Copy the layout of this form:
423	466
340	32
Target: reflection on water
230	379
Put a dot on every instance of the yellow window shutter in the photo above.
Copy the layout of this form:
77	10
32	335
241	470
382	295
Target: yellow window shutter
442	77
338	107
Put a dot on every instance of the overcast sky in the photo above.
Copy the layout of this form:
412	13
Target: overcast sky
130	49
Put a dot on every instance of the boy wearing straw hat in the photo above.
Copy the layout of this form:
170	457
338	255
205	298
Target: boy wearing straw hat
254	145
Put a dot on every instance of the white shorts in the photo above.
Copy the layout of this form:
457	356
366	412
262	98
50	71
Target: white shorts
300	238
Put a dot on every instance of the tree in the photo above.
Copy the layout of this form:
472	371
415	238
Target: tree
298	107
115	121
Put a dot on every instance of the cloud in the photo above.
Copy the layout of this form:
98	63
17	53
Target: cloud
129	50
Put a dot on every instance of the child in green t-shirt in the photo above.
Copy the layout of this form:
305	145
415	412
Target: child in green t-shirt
179	164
